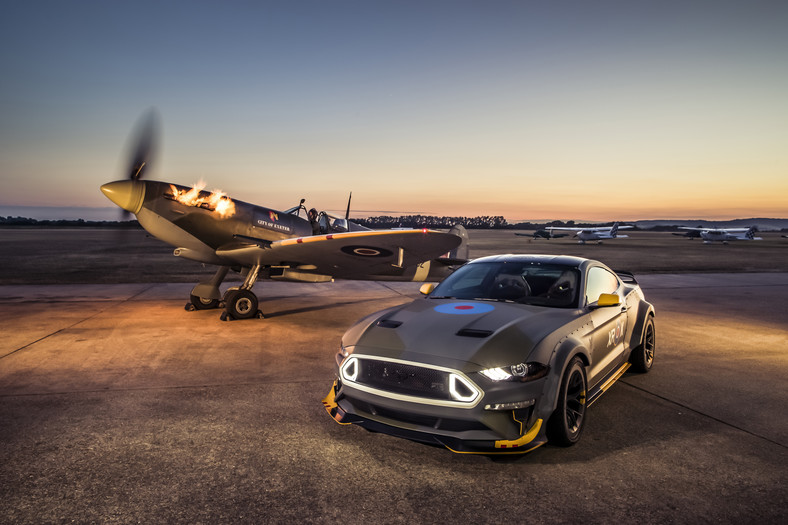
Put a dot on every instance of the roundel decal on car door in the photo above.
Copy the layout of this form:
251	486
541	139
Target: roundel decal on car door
464	308
366	251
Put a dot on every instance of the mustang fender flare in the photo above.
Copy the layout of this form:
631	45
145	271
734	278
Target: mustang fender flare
644	310
566	350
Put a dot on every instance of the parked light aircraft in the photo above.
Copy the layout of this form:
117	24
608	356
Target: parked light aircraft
260	242
692	234
595	234
724	235
542	234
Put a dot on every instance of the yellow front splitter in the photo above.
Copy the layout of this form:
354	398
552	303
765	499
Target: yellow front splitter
330	404
520	445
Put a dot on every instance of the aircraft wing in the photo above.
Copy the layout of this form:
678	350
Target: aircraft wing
593	229
344	255
717	230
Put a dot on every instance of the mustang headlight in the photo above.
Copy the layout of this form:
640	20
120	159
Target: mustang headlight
520	372
349	369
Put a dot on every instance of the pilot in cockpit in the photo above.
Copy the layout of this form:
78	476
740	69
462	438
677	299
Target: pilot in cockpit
312	215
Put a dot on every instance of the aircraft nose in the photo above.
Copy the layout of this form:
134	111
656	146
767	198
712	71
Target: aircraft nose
128	194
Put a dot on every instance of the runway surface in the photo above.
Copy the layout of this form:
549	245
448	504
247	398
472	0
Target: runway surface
117	405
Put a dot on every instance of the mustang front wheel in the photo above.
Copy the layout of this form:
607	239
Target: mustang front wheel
566	424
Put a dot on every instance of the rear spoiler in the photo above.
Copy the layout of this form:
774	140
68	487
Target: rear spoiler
627	277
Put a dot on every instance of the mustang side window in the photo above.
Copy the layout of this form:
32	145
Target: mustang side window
600	281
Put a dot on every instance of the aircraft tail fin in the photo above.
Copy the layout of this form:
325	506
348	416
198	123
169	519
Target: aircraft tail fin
750	234
462	251
614	230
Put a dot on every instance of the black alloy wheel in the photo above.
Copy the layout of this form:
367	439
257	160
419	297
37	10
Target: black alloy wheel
643	356
567	421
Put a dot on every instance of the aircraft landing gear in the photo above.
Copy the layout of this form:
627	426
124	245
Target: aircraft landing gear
200	303
206	296
241	302
238	302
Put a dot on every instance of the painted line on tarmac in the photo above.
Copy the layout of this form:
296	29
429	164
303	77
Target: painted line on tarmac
153	388
388	287
76	323
696	411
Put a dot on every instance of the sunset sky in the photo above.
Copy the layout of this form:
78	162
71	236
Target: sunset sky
597	110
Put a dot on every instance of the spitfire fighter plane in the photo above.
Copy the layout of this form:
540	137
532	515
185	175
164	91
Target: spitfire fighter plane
595	234
724	235
260	242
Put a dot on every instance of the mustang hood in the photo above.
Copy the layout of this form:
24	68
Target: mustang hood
460	334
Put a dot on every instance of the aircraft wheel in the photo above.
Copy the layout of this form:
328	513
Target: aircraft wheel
241	304
200	303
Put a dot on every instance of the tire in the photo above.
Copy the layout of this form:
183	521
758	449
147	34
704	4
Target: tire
241	304
643	356
201	303
568	420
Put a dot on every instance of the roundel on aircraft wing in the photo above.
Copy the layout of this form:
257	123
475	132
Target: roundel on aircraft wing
366	251
464	308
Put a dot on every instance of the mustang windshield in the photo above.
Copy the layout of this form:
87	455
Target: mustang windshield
520	282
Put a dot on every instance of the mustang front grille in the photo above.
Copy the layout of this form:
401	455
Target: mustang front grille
410	381
404	379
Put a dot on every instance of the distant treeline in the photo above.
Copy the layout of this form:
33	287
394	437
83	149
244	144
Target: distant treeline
487	222
430	221
66	223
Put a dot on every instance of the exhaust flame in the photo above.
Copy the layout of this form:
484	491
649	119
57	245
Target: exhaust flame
216	201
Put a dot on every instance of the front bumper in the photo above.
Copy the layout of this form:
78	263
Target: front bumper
476	431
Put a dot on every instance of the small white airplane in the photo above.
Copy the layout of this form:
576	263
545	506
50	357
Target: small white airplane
595	234
724	235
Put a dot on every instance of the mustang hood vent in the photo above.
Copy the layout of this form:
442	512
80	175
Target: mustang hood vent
388	323
470	332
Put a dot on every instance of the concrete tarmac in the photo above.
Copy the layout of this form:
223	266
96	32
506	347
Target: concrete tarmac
118	406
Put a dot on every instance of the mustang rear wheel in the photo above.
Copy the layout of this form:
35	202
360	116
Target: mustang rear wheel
566	423
643	356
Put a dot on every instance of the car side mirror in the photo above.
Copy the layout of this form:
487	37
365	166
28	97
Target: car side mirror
427	288
608	299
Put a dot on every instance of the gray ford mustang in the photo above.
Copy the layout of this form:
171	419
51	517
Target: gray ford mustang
503	356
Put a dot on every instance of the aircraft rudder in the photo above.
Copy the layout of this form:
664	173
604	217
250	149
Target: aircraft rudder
462	251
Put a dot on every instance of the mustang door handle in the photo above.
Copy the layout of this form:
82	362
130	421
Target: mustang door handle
623	308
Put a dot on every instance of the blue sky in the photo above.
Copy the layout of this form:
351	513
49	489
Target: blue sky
531	110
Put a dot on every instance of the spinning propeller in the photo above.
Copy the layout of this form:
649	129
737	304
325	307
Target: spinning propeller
128	194
146	135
